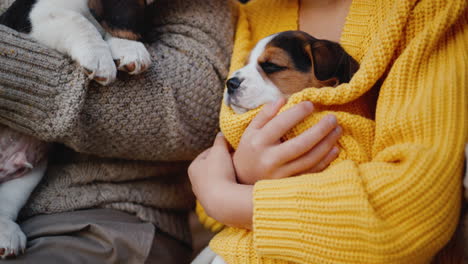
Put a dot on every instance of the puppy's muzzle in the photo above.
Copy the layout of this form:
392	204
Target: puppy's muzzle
233	84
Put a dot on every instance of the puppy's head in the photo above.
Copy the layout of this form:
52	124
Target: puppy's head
286	63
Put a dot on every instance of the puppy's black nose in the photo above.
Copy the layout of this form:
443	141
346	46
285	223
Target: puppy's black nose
232	84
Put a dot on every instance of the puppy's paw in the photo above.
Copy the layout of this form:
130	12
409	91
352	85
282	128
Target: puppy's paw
98	64
12	239
131	56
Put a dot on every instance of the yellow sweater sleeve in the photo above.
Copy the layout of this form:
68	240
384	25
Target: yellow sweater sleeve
403	205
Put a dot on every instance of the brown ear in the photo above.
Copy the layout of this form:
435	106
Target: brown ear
332	62
96	8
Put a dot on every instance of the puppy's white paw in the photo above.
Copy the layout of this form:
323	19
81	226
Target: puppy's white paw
12	239
131	56
98	63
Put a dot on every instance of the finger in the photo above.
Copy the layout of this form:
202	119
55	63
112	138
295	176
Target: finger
267	113
220	144
204	154
331	156
282	123
313	158
295	147
302	165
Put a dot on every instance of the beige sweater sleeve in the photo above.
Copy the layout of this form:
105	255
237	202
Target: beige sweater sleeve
168	113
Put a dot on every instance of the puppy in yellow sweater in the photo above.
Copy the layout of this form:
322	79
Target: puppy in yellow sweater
286	63
393	195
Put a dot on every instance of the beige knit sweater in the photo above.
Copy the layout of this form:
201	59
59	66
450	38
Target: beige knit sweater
123	146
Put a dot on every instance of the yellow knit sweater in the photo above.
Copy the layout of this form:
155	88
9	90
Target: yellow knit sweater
393	195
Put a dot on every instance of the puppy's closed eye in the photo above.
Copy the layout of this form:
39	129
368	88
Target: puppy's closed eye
269	67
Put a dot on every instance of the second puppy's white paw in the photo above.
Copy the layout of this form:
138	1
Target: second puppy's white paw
131	56
12	239
98	63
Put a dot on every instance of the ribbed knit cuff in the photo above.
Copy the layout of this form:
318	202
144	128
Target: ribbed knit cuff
236	246
38	87
296	219
207	221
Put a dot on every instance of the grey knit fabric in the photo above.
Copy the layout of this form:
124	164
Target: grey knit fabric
165	115
4	4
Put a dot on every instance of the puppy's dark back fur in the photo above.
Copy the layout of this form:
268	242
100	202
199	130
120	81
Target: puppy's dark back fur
121	18
17	16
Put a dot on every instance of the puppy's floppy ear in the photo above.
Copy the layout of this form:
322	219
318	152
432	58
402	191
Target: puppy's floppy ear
331	62
95	7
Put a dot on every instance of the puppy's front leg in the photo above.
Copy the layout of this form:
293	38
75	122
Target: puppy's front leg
131	56
71	33
13	196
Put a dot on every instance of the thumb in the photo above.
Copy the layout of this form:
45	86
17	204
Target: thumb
220	141
221	145
267	113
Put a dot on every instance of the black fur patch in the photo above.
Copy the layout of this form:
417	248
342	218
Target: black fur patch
124	15
329	58
295	47
17	16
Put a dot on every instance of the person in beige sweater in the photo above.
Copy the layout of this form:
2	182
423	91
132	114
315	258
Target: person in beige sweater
116	189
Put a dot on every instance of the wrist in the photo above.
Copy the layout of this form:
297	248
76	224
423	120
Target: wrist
232	205
244	177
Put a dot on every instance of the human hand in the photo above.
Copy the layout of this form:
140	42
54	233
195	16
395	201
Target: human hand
214	184
261	154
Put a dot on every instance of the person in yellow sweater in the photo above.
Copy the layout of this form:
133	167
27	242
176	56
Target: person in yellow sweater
393	194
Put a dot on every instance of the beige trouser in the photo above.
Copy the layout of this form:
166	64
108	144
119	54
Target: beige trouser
97	236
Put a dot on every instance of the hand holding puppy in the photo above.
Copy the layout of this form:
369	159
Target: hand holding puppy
262	155
214	184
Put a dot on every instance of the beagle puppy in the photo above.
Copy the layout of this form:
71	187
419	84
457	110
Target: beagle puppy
285	63
103	37
95	33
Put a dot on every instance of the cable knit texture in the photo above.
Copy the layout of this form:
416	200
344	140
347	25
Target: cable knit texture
394	193
169	113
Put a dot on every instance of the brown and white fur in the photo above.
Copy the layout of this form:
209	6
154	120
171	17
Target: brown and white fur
69	27
286	63
278	66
